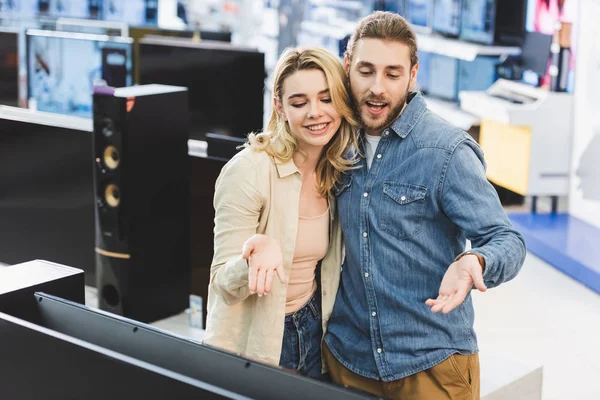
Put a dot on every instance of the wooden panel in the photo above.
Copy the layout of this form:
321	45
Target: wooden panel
507	153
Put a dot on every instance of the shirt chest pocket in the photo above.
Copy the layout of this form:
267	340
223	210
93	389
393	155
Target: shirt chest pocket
403	205
342	193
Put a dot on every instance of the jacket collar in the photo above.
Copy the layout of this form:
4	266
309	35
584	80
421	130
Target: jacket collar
285	168
410	116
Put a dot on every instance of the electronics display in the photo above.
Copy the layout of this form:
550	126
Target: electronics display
447	17
443	76
132	12
9	7
225	82
171	365
69	8
397	6
420	13
63	67
139	32
478	74
9	68
448	76
47	192
494	22
535	52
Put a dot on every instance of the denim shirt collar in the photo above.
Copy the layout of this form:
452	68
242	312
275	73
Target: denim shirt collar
412	113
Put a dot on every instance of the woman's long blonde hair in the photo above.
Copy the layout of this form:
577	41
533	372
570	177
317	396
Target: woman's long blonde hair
278	140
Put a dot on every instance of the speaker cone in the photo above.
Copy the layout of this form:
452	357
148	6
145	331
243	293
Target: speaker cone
111	157
112	195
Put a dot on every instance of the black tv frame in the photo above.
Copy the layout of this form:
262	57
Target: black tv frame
39	363
78	329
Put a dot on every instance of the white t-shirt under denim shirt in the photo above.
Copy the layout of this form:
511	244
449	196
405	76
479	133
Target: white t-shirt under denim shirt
371	143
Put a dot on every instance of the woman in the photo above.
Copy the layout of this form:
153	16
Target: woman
275	198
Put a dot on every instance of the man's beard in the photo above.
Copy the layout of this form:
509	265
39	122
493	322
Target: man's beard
392	116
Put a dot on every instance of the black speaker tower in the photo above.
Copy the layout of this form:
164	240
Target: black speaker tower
142	185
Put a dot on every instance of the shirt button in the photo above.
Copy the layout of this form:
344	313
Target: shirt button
379	351
373	313
386	132
366	274
365	194
379	156
403	198
365	234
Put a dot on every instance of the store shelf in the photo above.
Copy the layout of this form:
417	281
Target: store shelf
432	43
321	29
452	113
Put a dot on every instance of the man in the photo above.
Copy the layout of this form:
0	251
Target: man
402	325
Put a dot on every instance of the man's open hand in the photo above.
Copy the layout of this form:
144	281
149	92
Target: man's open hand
458	281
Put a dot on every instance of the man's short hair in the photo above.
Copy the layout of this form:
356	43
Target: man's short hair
385	26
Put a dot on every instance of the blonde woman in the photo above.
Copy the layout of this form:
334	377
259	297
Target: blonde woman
276	228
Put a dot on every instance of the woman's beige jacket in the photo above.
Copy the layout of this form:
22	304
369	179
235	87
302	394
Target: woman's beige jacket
256	193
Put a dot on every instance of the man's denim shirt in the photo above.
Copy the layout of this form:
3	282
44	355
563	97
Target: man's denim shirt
404	221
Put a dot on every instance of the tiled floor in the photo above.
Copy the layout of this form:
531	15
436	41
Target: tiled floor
544	317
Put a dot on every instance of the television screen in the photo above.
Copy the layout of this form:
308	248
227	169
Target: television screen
235	376
63	67
9	68
420	12
443	77
69	8
446	17
139	32
397	6
46	189
21	8
9	7
478	20
225	82
493	22
132	12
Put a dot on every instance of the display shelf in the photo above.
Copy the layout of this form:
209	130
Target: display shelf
451	112
433	43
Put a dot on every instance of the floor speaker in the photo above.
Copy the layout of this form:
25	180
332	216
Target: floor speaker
142	191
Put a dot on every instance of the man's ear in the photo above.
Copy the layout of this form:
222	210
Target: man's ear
413	76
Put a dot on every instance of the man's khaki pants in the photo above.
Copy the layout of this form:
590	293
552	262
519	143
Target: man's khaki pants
456	378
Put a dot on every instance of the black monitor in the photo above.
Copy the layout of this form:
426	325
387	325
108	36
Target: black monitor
9	68
535	52
63	67
494	22
225	82
46	189
447	17
139	32
64	367
148	348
